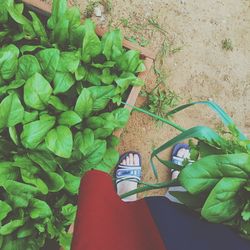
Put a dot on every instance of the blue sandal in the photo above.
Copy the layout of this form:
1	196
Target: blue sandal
128	172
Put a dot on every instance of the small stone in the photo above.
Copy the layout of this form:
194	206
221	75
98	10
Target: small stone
210	99
98	11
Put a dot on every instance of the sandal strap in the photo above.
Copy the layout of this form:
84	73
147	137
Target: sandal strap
178	160
128	172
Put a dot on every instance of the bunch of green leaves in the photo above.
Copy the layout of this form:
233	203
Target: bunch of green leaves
56	83
160	101
217	179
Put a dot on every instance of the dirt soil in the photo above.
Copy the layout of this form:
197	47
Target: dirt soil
201	70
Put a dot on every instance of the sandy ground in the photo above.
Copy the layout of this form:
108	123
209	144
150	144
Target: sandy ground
201	70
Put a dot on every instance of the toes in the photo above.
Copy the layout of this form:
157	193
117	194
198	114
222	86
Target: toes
127	161
131	159
136	160
124	162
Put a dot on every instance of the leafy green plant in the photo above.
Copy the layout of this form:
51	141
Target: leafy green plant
217	178
227	44
160	101
56	84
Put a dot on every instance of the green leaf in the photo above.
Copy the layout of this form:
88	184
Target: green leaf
30	116
101	96
246	211
48	59
39	28
59	8
27	67
11	111
7	172
65	240
5	208
57	103
60	34
30	48
44	159
60	142
69	61
63	81
25	23
69	118
84	140
81	73
69	213
8	61
4	10
121	117
11	226
111	158
19	199
102	133
13	85
112	44
91	46
84	104
25	231
39	209
95	152
106	77
72	183
34	132
37	91
207	172
13	135
223	203
130	62
54	182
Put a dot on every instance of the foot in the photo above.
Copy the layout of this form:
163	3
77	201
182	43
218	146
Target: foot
129	168
179	156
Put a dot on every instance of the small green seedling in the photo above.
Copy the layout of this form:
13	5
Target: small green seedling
227	44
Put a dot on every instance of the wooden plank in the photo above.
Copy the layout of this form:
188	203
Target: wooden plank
99	30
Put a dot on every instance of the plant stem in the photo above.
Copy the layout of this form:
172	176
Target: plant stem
150	187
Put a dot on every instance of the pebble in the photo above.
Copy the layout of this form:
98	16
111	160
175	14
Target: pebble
98	11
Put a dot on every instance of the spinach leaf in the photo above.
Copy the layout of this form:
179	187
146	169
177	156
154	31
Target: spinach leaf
11	111
111	158
69	118
59	8
69	61
95	153
34	132
101	96
71	181
30	117
63	81
37	91
112	44
4	16
60	141
130	62
19	199
25	23
84	104
5	208
208	171
91	45
39	209
106	77
27	67
11	226
48	59
223	203
84	140
7	172
57	103
39	28
8	61
69	212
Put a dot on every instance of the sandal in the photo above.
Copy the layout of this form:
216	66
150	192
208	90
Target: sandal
128	172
